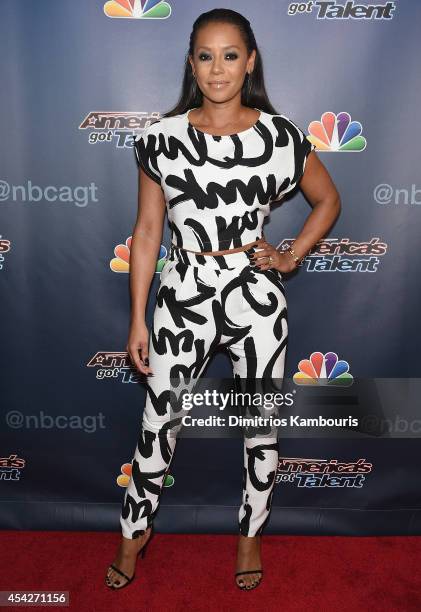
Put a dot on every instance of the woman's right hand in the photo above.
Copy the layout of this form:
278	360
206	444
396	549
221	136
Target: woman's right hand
137	346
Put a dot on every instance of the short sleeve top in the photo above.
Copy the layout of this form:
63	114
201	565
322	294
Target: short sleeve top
218	189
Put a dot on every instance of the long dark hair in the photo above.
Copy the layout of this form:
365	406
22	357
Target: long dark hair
253	92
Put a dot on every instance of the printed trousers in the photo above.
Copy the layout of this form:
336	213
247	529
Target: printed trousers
206	302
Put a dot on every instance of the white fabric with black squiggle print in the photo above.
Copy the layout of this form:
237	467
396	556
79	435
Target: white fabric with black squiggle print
218	189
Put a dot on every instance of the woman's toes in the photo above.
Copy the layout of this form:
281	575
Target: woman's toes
244	582
111	579
251	582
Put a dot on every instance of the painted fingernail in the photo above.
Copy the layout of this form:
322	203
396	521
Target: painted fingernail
146	361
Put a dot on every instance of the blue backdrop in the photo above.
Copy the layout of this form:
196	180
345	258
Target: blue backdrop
78	80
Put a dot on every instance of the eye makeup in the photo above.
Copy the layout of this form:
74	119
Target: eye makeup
205	55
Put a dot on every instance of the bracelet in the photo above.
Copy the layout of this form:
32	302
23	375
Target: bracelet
293	255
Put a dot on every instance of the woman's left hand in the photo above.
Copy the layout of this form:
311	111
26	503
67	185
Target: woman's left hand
281	261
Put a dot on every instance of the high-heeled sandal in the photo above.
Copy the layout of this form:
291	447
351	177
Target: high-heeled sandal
244	587
140	554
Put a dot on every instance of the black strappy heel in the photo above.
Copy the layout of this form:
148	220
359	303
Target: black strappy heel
249	588
140	554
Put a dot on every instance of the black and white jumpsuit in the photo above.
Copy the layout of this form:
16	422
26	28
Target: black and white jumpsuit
218	190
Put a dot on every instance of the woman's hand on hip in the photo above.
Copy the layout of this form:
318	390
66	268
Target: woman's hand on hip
281	261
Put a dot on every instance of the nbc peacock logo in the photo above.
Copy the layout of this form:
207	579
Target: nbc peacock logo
337	133
121	261
323	369
137	9
126	472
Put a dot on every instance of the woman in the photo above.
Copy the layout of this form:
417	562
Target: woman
215	163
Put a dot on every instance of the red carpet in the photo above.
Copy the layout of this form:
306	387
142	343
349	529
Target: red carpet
195	572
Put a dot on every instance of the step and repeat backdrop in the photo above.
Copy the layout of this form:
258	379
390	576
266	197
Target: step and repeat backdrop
79	80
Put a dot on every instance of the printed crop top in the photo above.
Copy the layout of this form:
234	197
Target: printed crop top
218	189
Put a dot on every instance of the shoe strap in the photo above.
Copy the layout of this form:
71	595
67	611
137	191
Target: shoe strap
121	573
250	572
